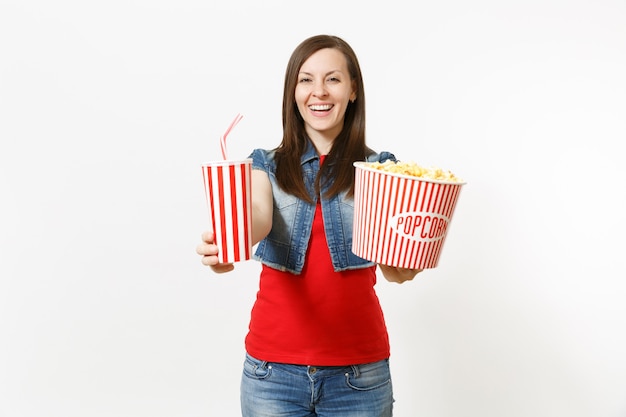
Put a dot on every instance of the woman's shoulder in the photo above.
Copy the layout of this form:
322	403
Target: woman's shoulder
262	158
381	156
262	153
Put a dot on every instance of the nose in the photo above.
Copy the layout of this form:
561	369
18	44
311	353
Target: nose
319	89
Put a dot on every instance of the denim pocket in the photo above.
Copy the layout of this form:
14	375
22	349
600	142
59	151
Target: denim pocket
369	376
255	368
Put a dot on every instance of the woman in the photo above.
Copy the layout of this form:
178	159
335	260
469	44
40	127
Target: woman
317	343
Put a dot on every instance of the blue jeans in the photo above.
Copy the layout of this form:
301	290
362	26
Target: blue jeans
279	390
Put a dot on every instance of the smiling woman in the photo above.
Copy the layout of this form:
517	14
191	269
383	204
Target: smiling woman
108	108
317	318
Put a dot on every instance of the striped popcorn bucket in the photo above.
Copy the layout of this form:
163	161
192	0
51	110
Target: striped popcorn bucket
401	220
227	189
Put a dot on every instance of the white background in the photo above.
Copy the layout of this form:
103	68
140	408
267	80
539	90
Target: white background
108	108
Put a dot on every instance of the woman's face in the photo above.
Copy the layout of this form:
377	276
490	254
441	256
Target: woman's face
322	93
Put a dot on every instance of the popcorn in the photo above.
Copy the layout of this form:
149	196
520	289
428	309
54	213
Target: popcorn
415	170
402	213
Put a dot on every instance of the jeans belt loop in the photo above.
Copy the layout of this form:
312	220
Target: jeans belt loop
355	369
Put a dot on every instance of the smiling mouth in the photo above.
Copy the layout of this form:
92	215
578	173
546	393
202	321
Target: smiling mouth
321	107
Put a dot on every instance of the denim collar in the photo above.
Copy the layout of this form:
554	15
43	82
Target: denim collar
310	153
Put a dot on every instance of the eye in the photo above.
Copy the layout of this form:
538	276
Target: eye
334	80
304	80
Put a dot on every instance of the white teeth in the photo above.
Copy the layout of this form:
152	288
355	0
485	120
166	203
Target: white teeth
321	107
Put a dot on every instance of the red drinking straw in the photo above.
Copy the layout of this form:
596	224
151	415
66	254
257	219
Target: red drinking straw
223	138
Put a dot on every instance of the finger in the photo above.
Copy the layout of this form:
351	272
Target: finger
209	260
221	268
208	236
206	249
213	262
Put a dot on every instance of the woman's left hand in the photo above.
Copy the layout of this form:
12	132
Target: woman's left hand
399	275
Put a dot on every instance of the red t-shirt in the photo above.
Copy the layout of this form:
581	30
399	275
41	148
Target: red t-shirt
320	317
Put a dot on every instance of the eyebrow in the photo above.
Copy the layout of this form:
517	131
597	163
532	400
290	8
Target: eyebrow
328	73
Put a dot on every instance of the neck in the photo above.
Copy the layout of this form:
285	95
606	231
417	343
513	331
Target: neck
322	144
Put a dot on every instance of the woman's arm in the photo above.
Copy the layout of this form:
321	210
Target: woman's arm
262	205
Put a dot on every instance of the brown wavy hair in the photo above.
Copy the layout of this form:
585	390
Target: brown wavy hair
349	146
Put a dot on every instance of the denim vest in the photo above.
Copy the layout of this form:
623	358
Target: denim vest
285	247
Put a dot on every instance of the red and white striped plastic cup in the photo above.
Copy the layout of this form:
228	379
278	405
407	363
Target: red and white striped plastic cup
401	220
228	193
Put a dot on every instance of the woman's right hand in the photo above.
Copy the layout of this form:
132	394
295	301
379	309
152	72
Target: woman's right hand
208	250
